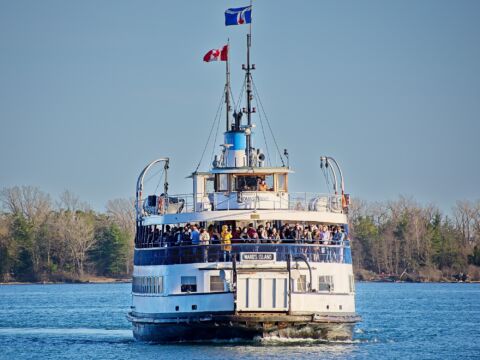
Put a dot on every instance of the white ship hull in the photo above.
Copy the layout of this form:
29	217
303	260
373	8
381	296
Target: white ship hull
258	298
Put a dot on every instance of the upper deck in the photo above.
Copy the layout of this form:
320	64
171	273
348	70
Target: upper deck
239	193
247	205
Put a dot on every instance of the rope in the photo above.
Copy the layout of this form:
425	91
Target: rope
264	136
216	133
241	94
327	177
153	175
211	130
159	180
233	98
268	122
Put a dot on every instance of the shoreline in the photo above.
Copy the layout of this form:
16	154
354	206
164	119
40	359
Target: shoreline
89	280
127	281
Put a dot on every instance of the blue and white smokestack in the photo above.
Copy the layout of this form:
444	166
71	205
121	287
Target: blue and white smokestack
236	143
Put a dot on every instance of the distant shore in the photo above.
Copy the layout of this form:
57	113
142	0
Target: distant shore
86	280
126	281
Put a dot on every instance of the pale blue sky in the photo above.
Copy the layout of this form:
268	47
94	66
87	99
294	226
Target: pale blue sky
90	91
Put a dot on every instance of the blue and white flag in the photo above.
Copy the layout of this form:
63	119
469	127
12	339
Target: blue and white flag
238	16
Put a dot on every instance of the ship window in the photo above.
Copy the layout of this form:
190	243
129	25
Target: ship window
269	182
325	283
147	284
302	283
351	281
216	283
222	182
189	284
160	285
209	185
246	183
281	182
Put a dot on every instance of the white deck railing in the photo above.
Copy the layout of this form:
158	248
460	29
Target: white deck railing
253	200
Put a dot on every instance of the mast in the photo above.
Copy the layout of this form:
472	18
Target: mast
227	87
249	97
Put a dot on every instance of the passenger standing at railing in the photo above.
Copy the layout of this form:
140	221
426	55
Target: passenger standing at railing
296	233
226	242
214	235
274	236
252	233
306	236
177	236
337	235
285	231
237	233
262	234
187	235
268	228
244	234
204	240
204	237
342	234
195	236
325	235
315	234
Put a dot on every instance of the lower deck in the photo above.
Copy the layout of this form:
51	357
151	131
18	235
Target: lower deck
243	326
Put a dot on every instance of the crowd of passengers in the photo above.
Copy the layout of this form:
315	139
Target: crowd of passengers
192	234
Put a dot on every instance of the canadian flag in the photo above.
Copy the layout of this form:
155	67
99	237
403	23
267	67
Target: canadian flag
217	54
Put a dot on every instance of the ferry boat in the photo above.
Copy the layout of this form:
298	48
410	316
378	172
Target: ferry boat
241	256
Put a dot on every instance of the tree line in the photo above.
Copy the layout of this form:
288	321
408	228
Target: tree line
403	238
43	240
65	240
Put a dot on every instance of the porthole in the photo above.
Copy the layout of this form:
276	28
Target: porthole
328	307
177	308
194	307
340	307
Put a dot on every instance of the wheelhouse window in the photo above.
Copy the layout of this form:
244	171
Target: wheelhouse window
216	283
269	182
189	284
222	182
246	183
209	185
281	182
302	283
252	183
325	283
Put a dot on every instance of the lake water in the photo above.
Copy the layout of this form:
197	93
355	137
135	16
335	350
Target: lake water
87	321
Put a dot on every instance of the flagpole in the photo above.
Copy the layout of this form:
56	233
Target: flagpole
227	86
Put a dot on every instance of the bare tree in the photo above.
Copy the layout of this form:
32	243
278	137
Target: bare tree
68	201
122	212
27	201
76	232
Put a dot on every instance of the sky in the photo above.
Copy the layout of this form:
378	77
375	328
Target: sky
91	91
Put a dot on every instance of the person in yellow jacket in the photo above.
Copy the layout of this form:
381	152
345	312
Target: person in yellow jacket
226	239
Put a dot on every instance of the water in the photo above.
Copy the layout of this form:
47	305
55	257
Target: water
407	321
